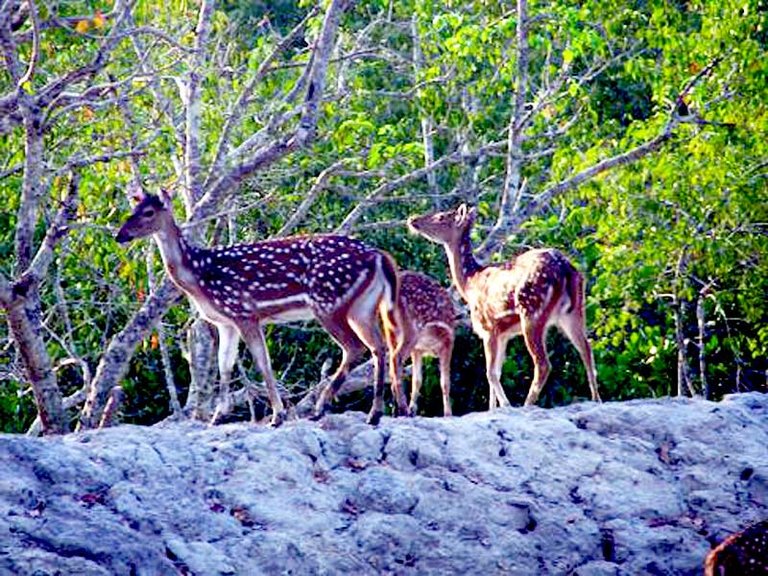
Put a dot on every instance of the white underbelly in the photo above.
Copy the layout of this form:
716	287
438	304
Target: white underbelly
289	309
210	313
290	315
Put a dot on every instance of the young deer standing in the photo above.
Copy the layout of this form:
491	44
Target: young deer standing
343	283
428	321
527	295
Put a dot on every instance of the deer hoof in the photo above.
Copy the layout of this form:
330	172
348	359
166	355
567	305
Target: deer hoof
319	412
374	417
406	412
315	416
278	418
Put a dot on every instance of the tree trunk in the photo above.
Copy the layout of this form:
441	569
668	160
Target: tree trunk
702	325
427	124
684	386
114	362
201	347
24	323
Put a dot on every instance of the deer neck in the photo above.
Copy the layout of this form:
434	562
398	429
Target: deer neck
462	263
175	254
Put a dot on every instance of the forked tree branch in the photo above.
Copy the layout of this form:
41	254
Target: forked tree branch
35	45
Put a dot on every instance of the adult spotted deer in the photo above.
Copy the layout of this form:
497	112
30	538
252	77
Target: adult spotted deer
527	295
428	321
341	282
744	553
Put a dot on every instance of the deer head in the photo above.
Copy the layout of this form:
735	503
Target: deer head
444	227
150	214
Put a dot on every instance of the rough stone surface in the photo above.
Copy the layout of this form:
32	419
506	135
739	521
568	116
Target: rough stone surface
619	489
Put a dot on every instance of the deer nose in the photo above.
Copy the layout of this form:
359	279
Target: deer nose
123	236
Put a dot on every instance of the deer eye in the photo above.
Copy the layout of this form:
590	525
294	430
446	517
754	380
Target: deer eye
149	213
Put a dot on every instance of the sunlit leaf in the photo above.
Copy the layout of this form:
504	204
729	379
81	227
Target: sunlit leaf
99	20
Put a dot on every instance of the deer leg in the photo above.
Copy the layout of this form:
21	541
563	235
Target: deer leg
399	345
351	350
575	330
534	334
494	360
254	337
227	355
404	349
492	404
444	358
364	319
416	379
374	341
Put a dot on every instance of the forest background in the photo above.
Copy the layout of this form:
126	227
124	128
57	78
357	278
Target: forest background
631	135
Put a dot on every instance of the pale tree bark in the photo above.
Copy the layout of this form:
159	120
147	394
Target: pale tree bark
701	322
22	305
113	364
512	190
427	124
170	381
684	385
526	140
684	381
202	370
20	299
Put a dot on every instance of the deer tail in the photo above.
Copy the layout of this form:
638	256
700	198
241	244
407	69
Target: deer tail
390	303
574	288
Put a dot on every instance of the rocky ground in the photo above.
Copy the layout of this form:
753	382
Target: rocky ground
642	487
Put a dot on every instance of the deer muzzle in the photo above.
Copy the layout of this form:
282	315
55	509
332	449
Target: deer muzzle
123	236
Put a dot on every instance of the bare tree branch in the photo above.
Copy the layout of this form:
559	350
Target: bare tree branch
456	157
191	100
114	361
309	199
53	89
236	110
512	222
38	268
35	45
280	147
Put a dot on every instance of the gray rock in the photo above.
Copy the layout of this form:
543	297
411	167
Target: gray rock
619	489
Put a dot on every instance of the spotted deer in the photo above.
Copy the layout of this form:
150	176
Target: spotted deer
347	286
537	289
428	321
744	553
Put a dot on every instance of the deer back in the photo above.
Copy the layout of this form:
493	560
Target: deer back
286	278
424	301
537	283
744	553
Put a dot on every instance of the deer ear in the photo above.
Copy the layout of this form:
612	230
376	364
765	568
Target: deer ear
461	213
166	196
136	195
